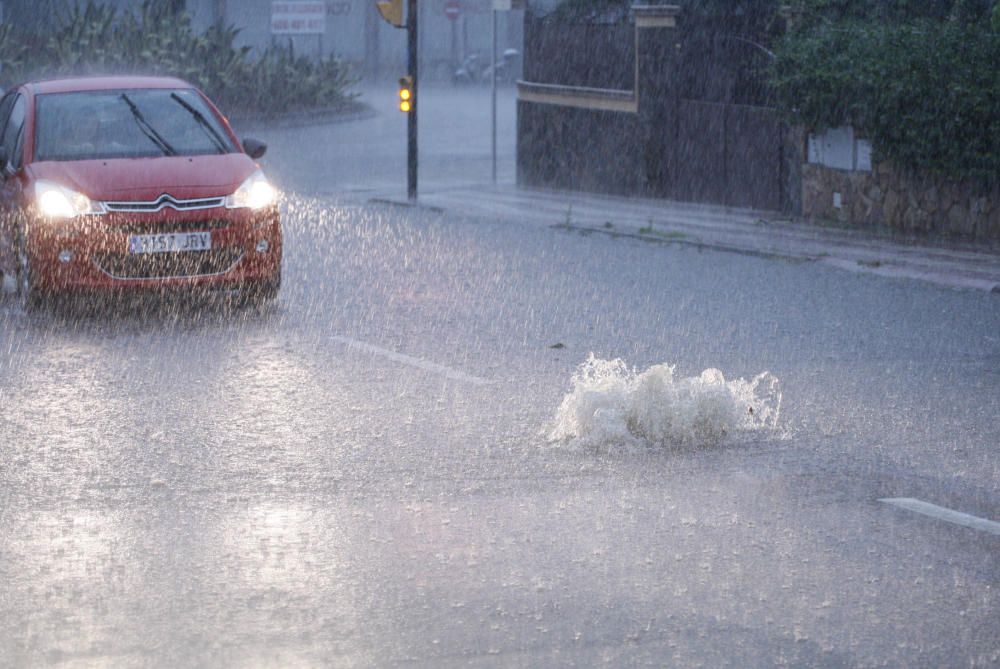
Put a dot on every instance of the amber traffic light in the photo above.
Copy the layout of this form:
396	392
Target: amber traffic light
406	94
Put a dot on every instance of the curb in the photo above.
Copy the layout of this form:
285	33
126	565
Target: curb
686	241
406	204
938	262
889	269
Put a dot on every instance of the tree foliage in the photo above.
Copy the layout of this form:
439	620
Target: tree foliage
736	13
893	11
154	39
923	85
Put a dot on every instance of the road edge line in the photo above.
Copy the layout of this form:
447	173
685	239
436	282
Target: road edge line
943	513
427	366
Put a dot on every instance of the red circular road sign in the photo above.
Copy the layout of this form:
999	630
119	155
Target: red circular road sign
452	8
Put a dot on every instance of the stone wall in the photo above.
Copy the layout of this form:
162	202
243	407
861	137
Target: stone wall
901	200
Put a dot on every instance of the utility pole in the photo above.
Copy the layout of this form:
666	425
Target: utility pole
392	12
498	6
493	103
411	118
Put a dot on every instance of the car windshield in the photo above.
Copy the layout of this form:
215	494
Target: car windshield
134	123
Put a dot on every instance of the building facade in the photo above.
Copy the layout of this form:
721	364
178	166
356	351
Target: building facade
450	30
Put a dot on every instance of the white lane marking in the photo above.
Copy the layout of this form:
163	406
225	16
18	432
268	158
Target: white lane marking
941	513
425	365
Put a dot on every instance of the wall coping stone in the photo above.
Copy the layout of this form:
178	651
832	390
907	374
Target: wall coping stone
582	97
656	11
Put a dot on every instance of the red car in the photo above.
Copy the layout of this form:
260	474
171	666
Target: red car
131	184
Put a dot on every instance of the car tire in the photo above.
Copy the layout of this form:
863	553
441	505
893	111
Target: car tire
28	294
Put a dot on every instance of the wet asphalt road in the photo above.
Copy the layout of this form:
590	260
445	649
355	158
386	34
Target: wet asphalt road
360	474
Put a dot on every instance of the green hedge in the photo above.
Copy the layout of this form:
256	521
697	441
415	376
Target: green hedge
99	39
926	92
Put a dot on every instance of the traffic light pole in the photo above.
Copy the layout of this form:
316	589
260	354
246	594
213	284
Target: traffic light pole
411	118
493	108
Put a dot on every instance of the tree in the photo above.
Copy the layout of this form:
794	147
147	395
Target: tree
926	90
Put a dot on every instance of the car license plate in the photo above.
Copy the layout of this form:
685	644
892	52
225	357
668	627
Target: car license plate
173	242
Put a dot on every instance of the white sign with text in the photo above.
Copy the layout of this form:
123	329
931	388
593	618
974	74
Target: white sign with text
840	149
298	18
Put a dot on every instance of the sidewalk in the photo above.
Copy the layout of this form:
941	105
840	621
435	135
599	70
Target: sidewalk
739	230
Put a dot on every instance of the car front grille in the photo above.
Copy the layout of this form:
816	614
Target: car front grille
168	265
163	227
165	201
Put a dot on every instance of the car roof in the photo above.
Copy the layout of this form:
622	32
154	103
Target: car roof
79	84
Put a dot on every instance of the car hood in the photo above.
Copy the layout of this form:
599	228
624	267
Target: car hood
145	179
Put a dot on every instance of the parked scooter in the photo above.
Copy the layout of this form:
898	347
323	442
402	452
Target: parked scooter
470	71
476	70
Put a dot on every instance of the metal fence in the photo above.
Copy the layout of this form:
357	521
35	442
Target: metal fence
579	54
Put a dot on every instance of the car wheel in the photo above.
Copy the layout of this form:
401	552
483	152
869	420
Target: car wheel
28	295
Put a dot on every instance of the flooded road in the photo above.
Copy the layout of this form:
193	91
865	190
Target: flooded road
365	472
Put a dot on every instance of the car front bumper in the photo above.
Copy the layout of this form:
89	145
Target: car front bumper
93	254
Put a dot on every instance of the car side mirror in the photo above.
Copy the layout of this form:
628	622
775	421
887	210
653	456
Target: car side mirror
254	147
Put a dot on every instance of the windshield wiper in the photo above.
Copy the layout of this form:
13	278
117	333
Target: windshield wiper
148	130
203	122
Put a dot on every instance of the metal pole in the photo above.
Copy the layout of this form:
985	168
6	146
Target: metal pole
411	118
494	105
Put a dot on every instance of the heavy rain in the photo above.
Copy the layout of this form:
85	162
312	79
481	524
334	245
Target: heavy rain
654	354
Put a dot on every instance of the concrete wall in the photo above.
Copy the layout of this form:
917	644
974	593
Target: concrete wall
579	54
578	149
617	122
589	129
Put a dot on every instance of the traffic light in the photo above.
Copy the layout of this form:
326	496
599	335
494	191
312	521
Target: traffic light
406	94
391	11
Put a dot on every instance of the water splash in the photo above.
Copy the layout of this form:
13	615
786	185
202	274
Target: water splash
611	404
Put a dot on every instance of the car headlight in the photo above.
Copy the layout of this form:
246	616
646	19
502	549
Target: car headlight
254	193
55	201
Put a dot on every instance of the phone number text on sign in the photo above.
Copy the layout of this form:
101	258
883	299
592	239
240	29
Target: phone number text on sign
298	18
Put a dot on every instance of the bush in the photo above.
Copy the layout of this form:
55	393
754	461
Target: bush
927	93
156	39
